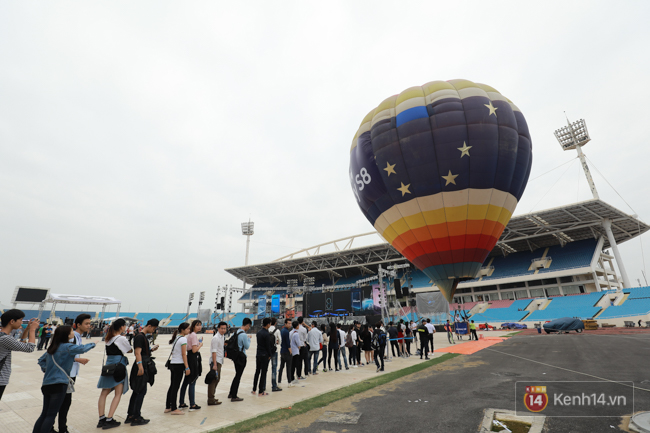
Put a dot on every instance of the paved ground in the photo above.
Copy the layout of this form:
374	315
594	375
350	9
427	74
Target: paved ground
21	403
452	396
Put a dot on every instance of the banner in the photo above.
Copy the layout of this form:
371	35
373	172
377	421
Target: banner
261	307
275	304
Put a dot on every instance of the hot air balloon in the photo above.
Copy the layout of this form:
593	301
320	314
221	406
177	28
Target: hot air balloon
438	171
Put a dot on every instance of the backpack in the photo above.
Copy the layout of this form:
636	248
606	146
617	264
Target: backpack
378	340
348	340
232	347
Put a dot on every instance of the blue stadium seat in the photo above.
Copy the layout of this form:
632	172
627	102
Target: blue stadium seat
631	307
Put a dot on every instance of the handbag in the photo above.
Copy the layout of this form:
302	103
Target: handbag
70	381
212	375
168	364
117	371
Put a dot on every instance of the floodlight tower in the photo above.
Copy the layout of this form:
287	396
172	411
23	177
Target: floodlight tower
247	229
198	307
574	136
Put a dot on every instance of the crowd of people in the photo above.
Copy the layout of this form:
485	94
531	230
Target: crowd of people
299	346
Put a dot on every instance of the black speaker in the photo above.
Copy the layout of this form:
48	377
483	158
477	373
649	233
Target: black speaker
405	291
412	302
398	288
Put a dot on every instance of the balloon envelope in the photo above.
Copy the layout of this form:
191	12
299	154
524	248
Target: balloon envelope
438	170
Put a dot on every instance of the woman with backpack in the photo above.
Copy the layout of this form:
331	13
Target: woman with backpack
178	365
56	363
194	362
326	340
117	346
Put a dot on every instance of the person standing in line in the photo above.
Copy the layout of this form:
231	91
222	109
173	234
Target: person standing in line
423	336
276	339
243	343
323	351
472	328
178	367
359	343
341	336
117	346
414	332
450	333
56	363
10	320
366	337
351	344
194	361
333	347
304	348
432	330
379	346
264	348
217	346
81	325
392	335
141	373
408	337
285	351
315	340
400	337
296	346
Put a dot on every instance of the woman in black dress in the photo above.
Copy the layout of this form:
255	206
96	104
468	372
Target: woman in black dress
366	338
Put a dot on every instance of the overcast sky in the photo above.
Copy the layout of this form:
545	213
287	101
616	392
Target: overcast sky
135	137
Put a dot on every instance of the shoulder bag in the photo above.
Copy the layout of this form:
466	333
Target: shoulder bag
70	381
111	369
168	364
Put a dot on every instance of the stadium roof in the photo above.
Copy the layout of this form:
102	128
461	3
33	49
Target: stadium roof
529	232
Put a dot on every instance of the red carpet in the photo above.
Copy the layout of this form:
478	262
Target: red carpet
471	346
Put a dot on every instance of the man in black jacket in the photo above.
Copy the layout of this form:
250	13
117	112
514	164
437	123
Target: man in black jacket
264	352
423	336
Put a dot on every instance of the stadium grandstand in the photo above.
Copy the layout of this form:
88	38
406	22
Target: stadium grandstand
558	262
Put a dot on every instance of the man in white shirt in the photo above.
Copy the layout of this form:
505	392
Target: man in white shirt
355	347
81	325
342	348
432	330
314	339
216	361
304	350
276	339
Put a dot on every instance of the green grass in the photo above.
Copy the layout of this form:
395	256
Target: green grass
512	334
327	398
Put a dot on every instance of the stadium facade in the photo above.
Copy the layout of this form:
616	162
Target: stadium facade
540	257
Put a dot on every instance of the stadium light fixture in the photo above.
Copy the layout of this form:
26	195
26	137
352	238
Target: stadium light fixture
574	136
247	229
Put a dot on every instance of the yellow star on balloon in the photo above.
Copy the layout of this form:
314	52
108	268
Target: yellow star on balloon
404	189
492	109
450	178
465	149
390	169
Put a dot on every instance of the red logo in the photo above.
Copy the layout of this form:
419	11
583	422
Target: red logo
535	398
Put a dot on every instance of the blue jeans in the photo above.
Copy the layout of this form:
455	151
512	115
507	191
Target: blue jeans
314	355
345	358
53	396
274	370
191	392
